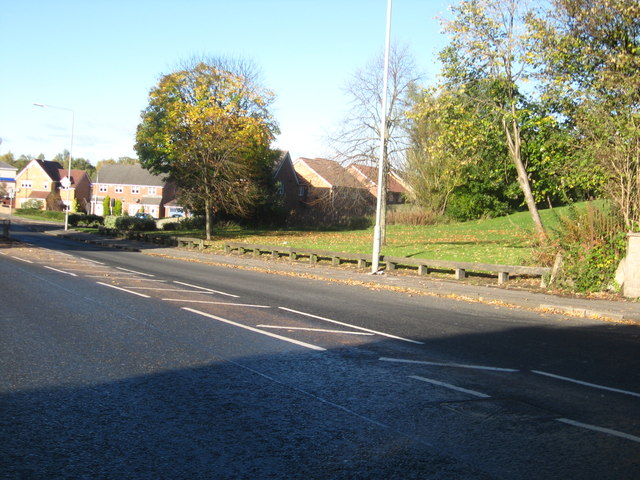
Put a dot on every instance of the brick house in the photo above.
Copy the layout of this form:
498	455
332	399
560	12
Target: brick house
332	193
292	190
137	188
397	189
43	181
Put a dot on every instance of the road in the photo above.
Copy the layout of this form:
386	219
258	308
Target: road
123	365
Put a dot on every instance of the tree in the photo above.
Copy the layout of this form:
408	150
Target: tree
208	127
358	139
117	207
106	206
488	46
588	53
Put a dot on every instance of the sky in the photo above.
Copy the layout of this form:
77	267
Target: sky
97	60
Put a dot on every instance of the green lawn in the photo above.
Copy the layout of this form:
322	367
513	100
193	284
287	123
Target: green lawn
504	240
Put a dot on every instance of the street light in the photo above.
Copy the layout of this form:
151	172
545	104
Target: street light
377	232
68	183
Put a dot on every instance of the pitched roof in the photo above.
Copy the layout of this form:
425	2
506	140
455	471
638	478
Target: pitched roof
6	166
76	175
331	172
51	168
128	175
371	174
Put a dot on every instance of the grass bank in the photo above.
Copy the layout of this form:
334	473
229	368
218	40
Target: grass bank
505	240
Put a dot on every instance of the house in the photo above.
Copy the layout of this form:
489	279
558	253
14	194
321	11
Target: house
331	190
137	188
7	181
291	188
48	183
397	189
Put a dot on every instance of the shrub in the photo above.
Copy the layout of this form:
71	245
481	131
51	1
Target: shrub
130	224
592	243
192	223
32	204
81	219
170	225
110	221
411	216
473	206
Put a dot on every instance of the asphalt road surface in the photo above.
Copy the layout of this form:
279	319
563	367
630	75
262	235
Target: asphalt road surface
121	365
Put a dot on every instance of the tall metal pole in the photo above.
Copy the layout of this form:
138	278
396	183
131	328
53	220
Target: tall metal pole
377	232
68	206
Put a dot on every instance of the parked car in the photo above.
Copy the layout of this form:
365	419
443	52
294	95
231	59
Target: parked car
144	215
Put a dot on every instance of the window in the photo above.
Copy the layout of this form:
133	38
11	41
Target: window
151	190
301	192
118	189
26	184
135	190
45	186
103	188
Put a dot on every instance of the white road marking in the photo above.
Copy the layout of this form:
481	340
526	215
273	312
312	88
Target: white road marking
215	303
321	330
61	271
449	386
22	259
207	289
124	290
92	261
133	271
587	384
2	253
268	334
351	326
595	428
124	278
171	290
456	365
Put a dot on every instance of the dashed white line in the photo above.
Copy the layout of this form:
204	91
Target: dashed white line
321	330
22	259
207	289
595	428
455	365
586	384
449	386
61	271
351	326
215	303
136	272
262	332
124	290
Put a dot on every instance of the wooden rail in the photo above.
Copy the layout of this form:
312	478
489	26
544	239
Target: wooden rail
423	266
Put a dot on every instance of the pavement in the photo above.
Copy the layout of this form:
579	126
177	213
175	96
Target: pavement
513	294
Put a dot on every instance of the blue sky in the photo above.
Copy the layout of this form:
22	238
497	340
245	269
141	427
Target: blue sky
100	58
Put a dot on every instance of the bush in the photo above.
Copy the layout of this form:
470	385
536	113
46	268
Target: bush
32	204
192	223
463	207
170	226
592	243
83	220
130	224
411	215
110	221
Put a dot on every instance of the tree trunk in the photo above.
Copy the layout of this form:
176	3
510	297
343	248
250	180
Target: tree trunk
514	142
208	217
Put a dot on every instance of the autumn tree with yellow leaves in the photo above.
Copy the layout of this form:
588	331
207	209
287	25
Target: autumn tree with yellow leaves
208	128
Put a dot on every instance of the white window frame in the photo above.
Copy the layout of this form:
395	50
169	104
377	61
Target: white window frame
103	188
118	189
135	190
151	190
26	184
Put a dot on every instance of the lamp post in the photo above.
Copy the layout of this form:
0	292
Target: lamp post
67	184
377	232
